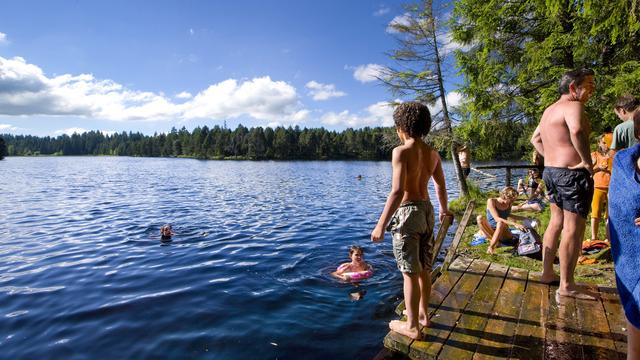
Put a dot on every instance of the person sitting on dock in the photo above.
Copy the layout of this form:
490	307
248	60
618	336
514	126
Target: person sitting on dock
533	188
495	225
357	269
410	215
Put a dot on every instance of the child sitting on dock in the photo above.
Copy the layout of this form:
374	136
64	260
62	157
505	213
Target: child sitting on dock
409	213
357	269
495	225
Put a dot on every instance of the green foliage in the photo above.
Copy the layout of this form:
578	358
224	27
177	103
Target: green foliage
457	206
519	50
217	143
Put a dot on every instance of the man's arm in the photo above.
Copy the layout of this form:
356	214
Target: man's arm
576	121
395	196
536	141
440	187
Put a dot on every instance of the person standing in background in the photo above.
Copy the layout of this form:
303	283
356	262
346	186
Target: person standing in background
602	164
465	159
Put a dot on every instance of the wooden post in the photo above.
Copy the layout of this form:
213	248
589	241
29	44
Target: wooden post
456	239
442	233
508	182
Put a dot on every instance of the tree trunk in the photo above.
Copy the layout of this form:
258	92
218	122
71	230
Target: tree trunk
462	181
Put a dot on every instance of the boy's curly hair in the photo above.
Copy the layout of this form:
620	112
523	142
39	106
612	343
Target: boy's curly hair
413	118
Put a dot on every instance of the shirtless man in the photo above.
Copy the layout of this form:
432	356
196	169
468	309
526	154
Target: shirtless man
411	225
562	137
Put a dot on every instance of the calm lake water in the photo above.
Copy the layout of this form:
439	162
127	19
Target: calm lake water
84	275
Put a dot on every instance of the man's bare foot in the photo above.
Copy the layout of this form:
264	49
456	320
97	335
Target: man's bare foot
402	328
422	319
550	280
578	293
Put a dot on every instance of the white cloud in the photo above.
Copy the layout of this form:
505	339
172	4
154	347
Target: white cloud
453	98
448	45
378	114
191	31
381	11
3	38
260	98
368	73
403	19
184	95
8	128
321	92
26	90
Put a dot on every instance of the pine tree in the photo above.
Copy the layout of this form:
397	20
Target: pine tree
419	72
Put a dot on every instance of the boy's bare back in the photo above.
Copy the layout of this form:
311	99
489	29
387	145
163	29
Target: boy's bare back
418	162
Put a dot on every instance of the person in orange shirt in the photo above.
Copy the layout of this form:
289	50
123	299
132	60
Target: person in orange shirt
602	164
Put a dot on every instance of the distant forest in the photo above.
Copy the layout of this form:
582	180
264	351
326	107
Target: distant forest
258	143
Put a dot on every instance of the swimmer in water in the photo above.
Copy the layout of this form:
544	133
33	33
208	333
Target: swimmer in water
357	269
166	232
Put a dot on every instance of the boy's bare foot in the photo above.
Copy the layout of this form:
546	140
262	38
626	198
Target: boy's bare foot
578	293
402	328
491	251
422	319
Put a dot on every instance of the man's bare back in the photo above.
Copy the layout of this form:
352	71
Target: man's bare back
556	125
562	136
420	161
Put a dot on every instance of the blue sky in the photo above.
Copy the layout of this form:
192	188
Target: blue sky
151	65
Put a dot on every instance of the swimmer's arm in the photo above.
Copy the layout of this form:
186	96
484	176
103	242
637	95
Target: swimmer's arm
440	187
575	119
395	196
637	221
536	141
339	276
341	269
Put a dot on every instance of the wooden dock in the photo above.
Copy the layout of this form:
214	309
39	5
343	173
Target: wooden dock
482	310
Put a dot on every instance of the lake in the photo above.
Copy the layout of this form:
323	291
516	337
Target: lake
84	275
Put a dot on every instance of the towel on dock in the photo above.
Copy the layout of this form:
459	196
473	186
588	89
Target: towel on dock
624	208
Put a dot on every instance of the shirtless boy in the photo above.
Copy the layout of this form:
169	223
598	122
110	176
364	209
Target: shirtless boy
409	214
562	137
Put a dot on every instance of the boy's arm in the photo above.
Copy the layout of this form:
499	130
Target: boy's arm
440	187
395	196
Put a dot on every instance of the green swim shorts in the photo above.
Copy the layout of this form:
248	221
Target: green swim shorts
412	232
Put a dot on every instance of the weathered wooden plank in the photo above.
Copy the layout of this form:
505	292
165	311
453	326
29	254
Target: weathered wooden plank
530	332
497	340
439	291
462	226
443	284
562	341
616	319
448	314
597	342
468	331
442	233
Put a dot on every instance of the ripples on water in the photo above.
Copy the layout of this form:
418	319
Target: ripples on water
83	273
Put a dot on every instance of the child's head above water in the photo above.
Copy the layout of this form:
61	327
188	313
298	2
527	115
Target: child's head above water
412	118
165	231
357	252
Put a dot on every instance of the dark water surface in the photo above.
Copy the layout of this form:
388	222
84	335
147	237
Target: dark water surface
84	275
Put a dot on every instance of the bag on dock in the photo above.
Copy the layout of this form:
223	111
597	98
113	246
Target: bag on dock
530	243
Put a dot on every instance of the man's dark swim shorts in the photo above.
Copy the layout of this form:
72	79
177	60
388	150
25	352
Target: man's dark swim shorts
571	190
